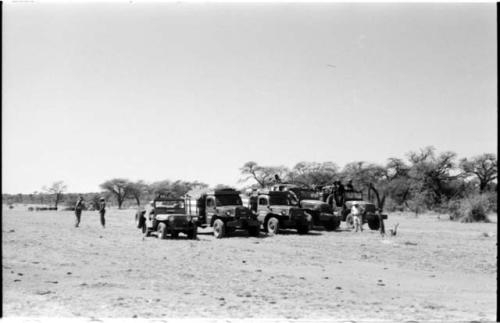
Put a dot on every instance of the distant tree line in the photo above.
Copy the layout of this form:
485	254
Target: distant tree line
423	180
118	191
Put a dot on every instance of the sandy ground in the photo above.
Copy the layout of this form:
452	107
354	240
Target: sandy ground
432	270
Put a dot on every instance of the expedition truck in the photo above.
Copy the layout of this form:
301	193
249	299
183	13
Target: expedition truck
168	216
224	211
275	211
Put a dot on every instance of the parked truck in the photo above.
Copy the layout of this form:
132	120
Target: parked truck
275	211
224	211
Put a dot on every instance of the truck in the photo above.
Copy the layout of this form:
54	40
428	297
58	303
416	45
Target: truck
223	210
370	214
275	211
168	216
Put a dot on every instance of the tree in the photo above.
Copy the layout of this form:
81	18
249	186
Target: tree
263	175
137	190
433	177
57	188
118	187
484	167
313	173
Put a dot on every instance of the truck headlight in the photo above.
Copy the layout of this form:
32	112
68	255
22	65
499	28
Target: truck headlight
283	212
228	213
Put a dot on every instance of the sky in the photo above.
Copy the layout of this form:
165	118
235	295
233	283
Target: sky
192	91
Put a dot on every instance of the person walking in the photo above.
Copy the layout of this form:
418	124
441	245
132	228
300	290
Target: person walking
78	211
102	211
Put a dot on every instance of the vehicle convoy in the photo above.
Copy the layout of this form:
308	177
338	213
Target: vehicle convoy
275	211
224	211
168	216
327	194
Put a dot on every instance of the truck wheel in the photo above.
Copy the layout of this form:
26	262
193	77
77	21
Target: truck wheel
374	224
162	231
349	221
193	234
254	231
272	225
303	229
219	229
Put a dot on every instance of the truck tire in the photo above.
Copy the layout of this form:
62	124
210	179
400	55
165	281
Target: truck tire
141	222
374	223
162	231
349	222
219	229
272	225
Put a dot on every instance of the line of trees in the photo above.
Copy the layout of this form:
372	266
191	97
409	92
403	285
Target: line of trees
424	180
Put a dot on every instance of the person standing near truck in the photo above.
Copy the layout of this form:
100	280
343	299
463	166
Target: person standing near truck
102	211
78	211
356	216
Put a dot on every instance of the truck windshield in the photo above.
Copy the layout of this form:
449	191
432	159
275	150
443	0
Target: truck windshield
170	204
278	200
221	200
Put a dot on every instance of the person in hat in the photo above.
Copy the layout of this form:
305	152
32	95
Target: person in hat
102	210
78	210
356	216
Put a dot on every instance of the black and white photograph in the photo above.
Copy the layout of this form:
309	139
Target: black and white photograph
269	161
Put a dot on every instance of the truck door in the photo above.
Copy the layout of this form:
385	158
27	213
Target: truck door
263	208
210	209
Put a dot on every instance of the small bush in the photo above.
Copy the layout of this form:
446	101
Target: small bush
472	209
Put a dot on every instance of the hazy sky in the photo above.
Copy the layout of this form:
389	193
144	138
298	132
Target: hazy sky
193	91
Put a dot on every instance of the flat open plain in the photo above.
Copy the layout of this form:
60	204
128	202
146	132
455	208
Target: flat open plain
434	269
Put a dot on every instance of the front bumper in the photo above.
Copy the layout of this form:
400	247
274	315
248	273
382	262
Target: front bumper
242	223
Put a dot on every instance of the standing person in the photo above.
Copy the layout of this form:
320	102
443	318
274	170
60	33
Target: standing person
356	216
341	193
78	210
102	211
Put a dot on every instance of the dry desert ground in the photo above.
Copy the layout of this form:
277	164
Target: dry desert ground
433	269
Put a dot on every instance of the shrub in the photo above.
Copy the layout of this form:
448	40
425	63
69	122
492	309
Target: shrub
471	209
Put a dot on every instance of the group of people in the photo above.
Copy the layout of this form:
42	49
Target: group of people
80	206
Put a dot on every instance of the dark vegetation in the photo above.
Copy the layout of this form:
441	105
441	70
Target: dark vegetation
423	181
